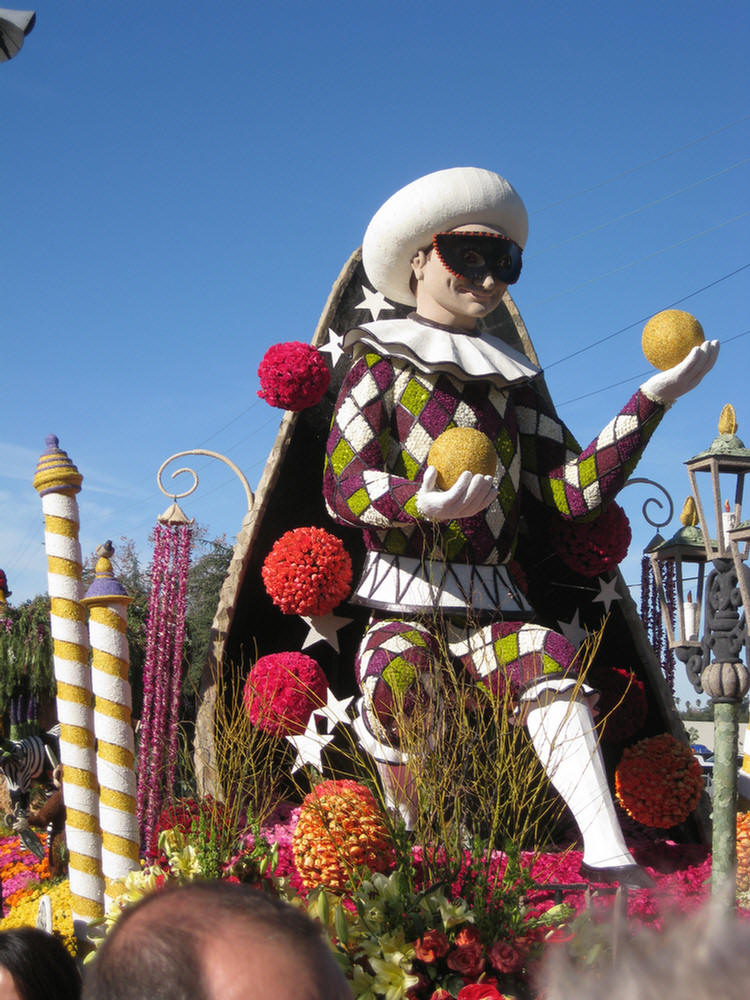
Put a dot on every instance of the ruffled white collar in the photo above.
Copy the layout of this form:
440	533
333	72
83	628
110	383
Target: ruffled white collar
465	355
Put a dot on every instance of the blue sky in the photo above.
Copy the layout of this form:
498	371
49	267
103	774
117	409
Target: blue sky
182	183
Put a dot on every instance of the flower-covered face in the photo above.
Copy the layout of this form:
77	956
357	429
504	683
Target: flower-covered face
451	299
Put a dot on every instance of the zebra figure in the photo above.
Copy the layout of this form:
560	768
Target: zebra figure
23	762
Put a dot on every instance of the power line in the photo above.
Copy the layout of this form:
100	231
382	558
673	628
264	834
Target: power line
636	211
638	322
633	378
641	166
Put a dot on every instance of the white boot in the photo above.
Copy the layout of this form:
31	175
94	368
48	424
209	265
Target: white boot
399	791
563	735
399	788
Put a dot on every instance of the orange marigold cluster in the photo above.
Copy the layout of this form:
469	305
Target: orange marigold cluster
658	781
340	829
743	852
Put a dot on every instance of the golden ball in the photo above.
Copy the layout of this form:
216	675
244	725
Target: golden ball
459	449
669	336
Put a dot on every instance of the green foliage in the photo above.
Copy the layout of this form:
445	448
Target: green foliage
26	651
205	579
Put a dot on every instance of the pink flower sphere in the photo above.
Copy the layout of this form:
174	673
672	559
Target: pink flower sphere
594	547
293	376
282	691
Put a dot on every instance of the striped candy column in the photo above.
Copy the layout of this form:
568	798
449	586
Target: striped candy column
57	481
107	602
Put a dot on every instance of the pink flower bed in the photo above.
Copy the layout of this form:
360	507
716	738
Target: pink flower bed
19	870
681	871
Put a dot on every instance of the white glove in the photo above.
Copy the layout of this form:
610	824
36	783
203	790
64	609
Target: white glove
468	495
668	386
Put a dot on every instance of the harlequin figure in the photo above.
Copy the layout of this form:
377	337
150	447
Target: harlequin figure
438	571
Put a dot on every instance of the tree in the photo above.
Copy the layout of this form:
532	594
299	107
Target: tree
26	669
207	574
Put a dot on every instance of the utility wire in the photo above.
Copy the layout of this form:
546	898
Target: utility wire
638	322
636	211
642	166
633	378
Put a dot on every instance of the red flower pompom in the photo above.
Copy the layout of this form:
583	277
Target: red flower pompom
281	692
593	547
658	781
307	572
186	815
481	991
293	376
622	706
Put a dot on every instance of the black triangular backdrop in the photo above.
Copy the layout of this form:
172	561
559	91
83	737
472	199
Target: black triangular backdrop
248	624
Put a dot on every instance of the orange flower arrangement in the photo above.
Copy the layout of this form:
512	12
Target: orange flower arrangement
340	829
743	852
658	781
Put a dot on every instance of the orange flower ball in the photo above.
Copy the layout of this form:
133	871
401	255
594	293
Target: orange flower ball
658	781
340	829
743	852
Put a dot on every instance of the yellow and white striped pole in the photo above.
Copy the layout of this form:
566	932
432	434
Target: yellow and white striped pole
107	602
57	481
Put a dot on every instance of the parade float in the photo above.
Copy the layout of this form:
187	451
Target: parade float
453	882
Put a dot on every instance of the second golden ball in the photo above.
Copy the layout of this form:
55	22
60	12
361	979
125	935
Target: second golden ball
459	449
669	336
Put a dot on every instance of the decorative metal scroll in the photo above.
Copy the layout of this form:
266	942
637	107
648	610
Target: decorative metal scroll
185	469
645	509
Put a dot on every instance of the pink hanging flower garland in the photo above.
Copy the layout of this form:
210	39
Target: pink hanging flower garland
162	672
182	566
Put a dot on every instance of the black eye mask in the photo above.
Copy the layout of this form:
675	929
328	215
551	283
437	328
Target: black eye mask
475	255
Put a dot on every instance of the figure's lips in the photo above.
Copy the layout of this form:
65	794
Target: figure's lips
479	293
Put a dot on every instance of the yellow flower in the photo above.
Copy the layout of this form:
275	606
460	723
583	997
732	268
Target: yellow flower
362	983
391	980
185	863
24	914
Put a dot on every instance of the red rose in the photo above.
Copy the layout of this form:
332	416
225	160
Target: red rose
504	957
467	935
480	991
441	994
432	946
467	960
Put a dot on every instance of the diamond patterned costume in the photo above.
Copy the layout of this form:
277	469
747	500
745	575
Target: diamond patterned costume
396	399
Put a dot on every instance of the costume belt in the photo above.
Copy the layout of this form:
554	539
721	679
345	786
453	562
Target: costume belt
405	584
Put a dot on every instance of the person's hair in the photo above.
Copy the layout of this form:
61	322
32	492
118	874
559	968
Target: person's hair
41	966
156	948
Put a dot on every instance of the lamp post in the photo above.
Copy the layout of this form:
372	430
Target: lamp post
713	662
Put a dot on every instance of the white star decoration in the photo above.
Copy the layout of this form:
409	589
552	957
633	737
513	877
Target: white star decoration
607	592
374	302
335	710
332	347
309	746
572	630
324	627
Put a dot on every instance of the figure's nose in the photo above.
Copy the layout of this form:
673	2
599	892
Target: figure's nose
487	282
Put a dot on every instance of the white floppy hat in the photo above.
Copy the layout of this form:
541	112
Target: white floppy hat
434	204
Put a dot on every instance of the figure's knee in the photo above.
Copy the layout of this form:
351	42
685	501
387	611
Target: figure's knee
393	664
512	656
